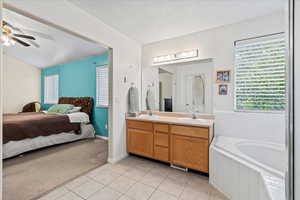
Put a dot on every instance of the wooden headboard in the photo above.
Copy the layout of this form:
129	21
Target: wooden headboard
86	103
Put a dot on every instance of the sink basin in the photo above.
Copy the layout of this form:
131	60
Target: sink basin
148	116
191	120
173	119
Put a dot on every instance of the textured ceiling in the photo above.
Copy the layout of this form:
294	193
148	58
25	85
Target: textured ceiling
152	20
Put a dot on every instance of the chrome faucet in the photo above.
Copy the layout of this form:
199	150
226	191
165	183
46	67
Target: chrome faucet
194	116
192	110
150	113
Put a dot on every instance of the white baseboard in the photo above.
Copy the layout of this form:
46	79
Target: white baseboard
102	137
113	161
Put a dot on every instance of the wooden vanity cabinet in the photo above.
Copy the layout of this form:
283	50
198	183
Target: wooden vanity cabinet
140	138
189	147
185	146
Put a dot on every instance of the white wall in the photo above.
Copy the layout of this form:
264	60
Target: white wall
297	100
126	56
21	84
217	44
254	126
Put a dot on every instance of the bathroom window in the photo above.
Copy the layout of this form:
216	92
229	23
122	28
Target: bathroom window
260	78
102	86
51	89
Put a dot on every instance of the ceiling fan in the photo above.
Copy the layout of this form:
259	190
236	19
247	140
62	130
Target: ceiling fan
12	35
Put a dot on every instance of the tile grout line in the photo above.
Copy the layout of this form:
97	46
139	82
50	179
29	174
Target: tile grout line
91	179
121	173
155	188
124	193
185	184
61	195
77	195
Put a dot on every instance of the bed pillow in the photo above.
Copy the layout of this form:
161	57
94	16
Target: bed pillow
60	108
37	106
74	110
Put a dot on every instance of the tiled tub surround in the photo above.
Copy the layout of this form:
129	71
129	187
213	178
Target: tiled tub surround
135	178
250	169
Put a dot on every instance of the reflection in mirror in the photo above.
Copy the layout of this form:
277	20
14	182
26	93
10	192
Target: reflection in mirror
150	101
195	93
181	87
165	89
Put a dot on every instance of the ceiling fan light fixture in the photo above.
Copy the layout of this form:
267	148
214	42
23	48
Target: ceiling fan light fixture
7	41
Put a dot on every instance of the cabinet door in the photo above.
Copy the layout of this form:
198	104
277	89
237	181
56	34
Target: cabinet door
161	153
140	142
190	152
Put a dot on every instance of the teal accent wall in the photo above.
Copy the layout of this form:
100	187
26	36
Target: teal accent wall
78	79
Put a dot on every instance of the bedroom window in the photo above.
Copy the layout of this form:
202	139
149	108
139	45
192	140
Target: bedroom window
260	74
51	89
102	86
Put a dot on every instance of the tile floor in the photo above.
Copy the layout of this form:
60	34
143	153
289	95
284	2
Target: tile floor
135	178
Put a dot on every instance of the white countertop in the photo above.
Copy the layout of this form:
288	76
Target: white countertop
174	120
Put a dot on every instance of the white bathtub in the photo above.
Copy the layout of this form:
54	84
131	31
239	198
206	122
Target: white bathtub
247	169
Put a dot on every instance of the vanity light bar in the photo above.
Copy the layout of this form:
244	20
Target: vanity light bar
176	56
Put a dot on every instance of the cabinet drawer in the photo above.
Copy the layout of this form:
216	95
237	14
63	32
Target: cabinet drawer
190	131
161	139
140	125
161	127
161	153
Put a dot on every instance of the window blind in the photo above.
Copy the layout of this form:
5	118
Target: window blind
102	86
51	89
260	79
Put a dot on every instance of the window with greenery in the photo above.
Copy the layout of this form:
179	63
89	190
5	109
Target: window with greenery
260	79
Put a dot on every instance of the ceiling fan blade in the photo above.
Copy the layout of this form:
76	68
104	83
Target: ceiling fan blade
39	34
24	36
34	43
20	42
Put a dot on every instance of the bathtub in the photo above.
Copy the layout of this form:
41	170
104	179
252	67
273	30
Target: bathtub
248	170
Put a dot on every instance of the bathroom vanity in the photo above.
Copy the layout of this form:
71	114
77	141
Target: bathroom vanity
180	141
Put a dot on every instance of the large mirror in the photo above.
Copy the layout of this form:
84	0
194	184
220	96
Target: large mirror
178	87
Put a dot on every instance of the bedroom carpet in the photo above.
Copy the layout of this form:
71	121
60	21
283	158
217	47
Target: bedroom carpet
36	173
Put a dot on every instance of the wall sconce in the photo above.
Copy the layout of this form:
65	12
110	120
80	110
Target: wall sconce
176	56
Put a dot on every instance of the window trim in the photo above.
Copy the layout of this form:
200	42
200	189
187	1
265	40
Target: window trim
234	77
44	96
96	104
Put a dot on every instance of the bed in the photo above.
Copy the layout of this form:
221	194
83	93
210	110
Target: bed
23	132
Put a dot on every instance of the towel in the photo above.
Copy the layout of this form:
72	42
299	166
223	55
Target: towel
199	91
133	100
150	100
